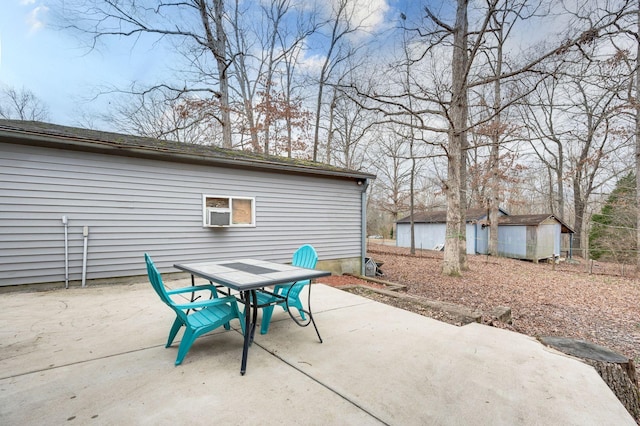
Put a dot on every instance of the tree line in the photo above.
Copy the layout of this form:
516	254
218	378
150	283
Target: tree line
528	105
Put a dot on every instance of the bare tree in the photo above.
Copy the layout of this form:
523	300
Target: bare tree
342	23
275	14
629	28
595	141
196	26
637	133
544	128
247	87
157	115
351	126
578	133
22	104
636	104
394	173
443	106
501	26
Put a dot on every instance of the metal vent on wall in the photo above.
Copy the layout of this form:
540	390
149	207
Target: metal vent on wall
219	218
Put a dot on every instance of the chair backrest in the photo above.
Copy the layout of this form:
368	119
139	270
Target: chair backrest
156	280
305	257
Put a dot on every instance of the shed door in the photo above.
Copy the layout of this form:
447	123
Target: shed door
546	240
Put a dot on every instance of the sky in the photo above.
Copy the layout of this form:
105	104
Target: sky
66	76
58	70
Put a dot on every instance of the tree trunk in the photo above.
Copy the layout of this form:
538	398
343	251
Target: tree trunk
455	238
454	234
637	105
316	130
412	199
494	199
617	371
253	127
560	183
494	155
464	145
223	65
579	209
218	47
332	109
619	380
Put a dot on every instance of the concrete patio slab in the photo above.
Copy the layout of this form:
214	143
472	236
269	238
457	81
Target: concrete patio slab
96	355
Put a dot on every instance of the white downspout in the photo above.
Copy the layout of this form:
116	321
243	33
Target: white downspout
85	234
363	215
65	222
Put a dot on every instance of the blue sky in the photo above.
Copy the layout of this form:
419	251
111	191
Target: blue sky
57	70
66	77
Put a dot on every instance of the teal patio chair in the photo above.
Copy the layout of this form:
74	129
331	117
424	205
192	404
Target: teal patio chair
198	317
304	257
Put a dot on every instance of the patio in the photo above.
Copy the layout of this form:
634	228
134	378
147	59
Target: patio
97	355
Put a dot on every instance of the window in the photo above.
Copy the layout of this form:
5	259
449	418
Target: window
228	211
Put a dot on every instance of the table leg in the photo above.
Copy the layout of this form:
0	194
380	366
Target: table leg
310	320
254	317
250	318
193	283
311	315
193	297
247	332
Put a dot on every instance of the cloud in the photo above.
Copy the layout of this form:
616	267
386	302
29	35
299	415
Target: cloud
370	13
35	18
27	2
311	64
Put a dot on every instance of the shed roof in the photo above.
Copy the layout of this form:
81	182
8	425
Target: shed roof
476	215
74	138
532	220
440	216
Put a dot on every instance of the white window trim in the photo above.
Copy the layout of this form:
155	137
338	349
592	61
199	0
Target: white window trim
230	208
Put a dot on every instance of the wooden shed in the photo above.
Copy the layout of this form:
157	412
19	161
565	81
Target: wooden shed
532	237
125	195
430	230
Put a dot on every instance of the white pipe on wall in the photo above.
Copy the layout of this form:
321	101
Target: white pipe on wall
65	222
85	234
364	184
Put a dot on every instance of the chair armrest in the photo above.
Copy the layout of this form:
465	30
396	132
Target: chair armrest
279	288
267	298
267	292
206	303
284	286
192	289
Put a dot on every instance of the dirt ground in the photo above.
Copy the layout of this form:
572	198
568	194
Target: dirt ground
567	301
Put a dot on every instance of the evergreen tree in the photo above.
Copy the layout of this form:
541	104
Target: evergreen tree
613	230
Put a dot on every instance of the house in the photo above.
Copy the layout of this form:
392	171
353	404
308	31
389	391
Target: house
531	237
68	191
430	230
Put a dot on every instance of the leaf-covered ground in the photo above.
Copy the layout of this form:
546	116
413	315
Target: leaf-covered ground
601	308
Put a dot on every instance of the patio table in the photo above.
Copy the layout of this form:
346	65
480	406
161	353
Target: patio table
248	276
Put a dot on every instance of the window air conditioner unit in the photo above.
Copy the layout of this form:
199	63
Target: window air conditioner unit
218	217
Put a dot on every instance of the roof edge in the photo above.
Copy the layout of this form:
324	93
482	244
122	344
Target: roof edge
34	133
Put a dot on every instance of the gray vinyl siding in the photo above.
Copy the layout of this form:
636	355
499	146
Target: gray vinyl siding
134	205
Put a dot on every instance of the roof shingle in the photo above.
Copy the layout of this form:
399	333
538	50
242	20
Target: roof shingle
47	134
